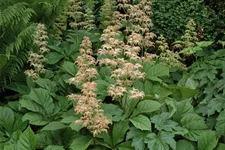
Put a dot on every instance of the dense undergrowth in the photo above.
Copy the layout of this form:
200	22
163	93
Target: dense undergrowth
103	75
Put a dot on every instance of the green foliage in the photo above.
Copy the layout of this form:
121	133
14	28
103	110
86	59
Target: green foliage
180	110
170	17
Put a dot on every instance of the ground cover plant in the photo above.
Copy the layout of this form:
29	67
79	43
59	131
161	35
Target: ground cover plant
98	75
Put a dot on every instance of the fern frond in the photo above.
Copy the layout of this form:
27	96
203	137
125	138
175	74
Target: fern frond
12	15
24	38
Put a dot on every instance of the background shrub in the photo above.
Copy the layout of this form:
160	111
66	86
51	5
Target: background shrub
171	16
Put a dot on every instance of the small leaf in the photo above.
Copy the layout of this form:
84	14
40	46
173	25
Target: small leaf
220	124
185	145
141	122
158	71
162	141
119	131
54	147
220	146
207	140
6	118
42	97
69	67
53	57
54	126
181	109
46	84
34	119
81	143
137	137
147	106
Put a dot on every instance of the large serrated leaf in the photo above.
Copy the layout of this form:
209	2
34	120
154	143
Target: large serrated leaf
141	122
27	140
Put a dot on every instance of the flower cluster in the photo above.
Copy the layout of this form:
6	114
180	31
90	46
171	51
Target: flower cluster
81	18
107	11
190	32
60	26
123	57
124	76
86	104
167	56
89	107
86	64
75	11
37	59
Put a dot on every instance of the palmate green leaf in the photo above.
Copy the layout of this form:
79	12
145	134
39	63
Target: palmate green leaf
32	106
42	97
34	119
181	109
207	140
216	104
161	141
164	123
54	126
44	139
220	124
195	125
125	146
137	137
128	106
81	143
71	120
146	106
182	93
46	84
27	140
113	111
54	147
119	131
69	67
141	122
184	145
